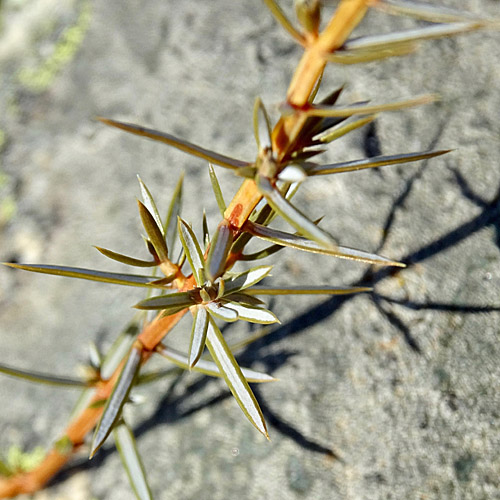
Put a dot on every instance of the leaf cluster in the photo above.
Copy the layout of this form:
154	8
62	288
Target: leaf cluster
203	278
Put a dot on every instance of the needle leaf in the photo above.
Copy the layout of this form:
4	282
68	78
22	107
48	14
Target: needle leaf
217	190
246	279
193	251
131	460
187	147
261	125
222	312
359	109
426	11
208	367
174	212
42	378
150	204
365	56
168	302
234	377
198	335
261	254
377	161
345	129
306	290
124	259
154	232
301	243
206	231
393	40
293	216
88	274
117	400
283	20
119	349
253	314
219	249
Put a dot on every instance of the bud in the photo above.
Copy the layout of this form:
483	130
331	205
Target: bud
309	14
292	173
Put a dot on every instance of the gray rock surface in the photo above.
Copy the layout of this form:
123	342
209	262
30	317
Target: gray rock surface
401	385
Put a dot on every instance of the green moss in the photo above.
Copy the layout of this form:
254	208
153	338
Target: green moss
40	78
8	209
8	205
64	445
20	461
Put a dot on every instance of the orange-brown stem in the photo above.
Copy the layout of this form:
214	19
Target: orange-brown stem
243	204
76	431
347	16
78	428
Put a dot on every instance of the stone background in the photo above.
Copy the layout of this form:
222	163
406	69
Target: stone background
402	385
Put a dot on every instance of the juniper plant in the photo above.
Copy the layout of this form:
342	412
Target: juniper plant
204	279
